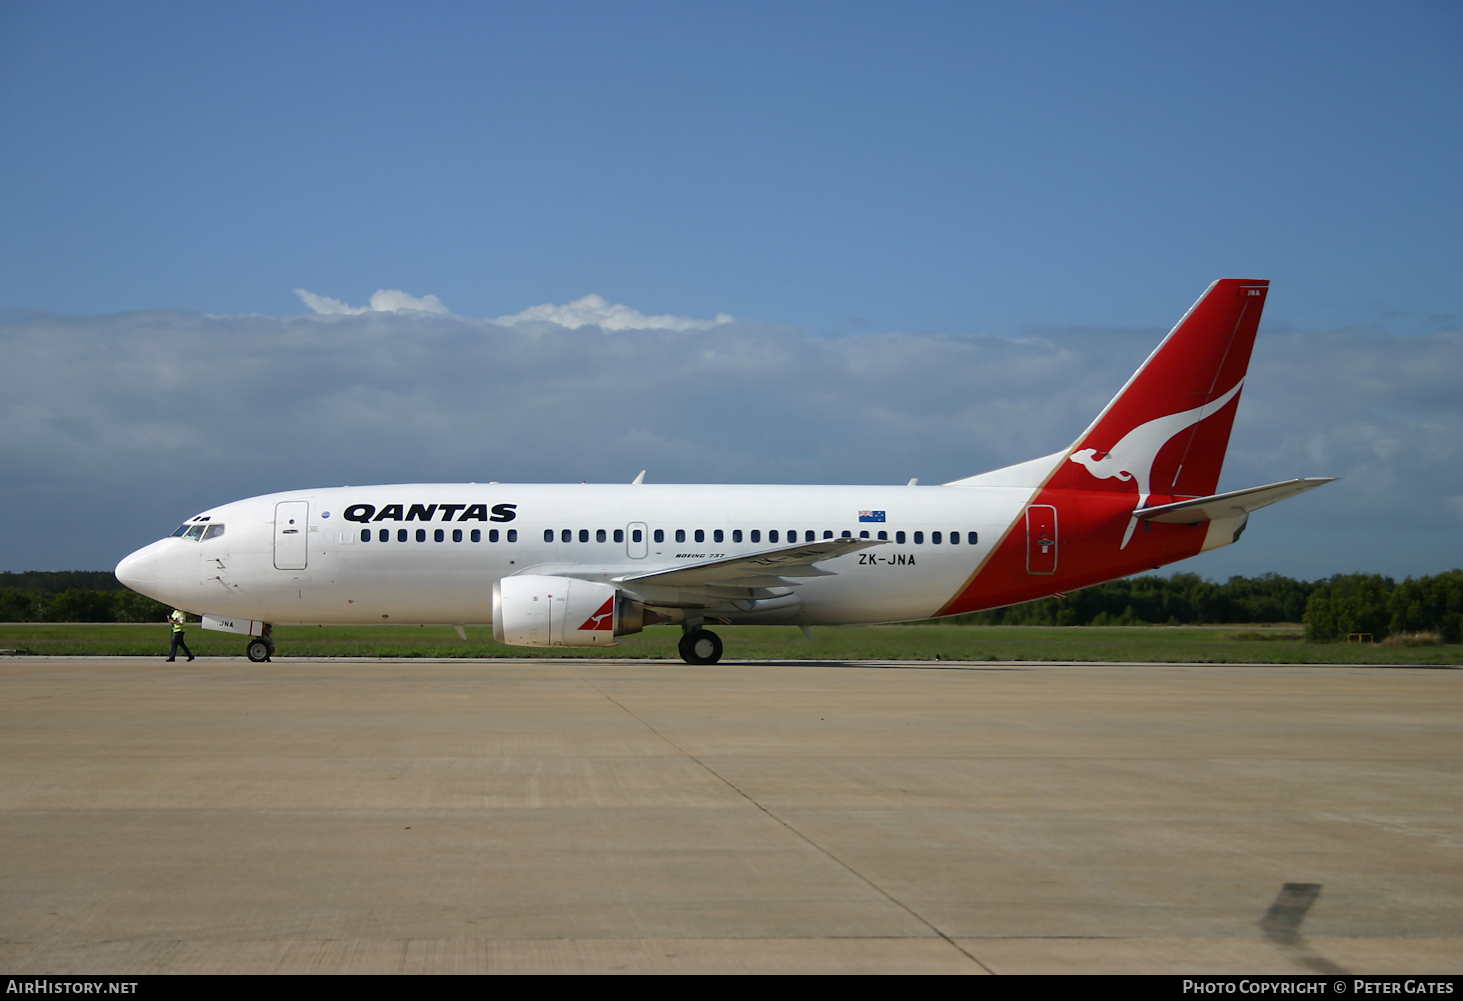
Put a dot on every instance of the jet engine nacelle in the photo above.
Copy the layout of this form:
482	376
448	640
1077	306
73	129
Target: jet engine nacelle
562	611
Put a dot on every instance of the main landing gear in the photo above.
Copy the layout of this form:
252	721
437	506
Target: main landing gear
700	646
261	648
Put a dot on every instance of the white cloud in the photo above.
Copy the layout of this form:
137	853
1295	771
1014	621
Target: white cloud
596	311
386	300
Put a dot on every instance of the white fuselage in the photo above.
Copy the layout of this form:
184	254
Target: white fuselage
254	571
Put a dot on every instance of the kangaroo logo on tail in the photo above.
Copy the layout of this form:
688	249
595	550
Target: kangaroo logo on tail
1132	458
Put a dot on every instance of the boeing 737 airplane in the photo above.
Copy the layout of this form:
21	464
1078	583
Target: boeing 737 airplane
580	565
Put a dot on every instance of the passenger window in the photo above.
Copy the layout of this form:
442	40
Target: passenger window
972	537
512	535
548	535
680	535
660	535
716	536
636	536
620	535
864	534
828	535
567	535
365	535
736	535
700	535
772	535
214	531
439	536
383	535
935	538
954	538
847	534
919	538
421	535
196	532
476	536
756	535
492	535
599	535
584	535
401	535
883	536
457	535
899	538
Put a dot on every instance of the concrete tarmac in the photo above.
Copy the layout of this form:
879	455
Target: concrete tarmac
625	816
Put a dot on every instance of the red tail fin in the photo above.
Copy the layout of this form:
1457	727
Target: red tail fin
1166	431
1160	441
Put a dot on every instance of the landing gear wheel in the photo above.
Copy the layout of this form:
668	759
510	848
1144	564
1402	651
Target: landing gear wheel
700	646
259	651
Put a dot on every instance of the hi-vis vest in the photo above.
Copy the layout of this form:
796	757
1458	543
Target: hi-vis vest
178	621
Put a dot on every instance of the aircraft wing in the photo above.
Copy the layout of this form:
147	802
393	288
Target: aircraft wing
1229	505
764	569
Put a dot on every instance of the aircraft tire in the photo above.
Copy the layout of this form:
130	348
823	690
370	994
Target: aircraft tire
258	651
700	646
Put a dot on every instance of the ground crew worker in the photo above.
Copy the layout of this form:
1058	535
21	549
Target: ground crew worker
177	618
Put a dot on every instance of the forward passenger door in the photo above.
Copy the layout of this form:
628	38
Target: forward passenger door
290	536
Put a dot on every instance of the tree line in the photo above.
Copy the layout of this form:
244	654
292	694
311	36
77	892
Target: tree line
1329	609
73	596
1369	603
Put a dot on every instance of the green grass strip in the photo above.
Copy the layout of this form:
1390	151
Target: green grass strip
921	642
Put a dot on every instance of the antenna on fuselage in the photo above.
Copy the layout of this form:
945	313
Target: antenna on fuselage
639	479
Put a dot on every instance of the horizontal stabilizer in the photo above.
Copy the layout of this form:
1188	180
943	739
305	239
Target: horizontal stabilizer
1230	505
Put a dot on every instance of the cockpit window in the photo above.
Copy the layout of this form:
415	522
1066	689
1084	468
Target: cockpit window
195	532
214	531
181	529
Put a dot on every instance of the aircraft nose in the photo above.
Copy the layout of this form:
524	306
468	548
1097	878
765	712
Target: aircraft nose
139	570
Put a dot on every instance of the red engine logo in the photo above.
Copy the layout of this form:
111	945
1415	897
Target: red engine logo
602	619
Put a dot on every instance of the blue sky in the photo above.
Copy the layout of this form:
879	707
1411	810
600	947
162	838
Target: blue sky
1075	174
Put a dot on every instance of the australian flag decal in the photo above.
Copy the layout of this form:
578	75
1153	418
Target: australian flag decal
871	516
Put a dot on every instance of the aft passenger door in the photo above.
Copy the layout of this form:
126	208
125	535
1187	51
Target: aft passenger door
290	537
1041	539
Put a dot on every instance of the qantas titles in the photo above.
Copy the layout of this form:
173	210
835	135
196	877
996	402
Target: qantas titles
424	512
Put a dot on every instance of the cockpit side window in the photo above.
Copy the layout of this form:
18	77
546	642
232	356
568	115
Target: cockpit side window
214	531
181	529
196	532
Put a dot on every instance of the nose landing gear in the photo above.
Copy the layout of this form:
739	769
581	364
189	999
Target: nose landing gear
700	646
261	647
